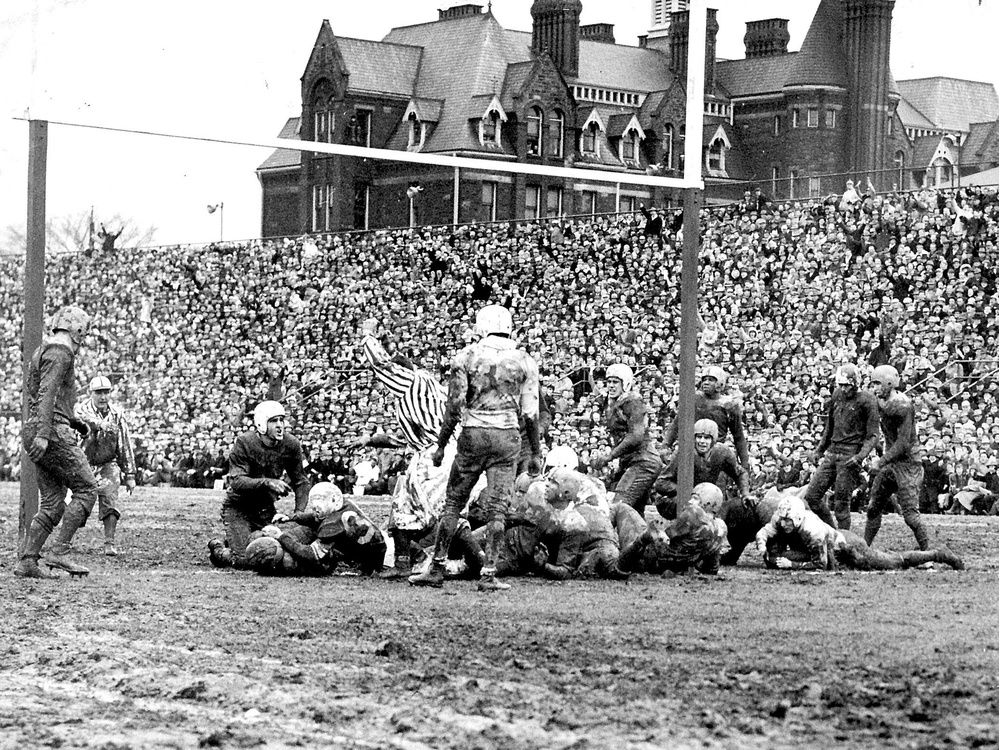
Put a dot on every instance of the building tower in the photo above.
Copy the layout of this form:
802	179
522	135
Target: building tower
867	27
555	29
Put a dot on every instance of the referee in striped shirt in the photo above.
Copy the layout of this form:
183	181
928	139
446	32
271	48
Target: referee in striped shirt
418	498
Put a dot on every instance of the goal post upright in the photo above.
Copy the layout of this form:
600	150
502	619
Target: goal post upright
34	302
693	194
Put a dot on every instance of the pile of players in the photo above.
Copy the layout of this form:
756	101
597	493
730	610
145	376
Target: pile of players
474	501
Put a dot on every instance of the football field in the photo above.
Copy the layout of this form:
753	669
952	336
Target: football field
158	649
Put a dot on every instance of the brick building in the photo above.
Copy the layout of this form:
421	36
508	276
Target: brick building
569	95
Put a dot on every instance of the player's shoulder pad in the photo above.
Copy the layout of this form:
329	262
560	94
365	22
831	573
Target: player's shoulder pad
290	442
898	402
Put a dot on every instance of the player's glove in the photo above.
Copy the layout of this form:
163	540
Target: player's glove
279	518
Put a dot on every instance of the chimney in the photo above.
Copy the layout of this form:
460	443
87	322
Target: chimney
767	38
458	11
679	46
555	29
598	32
643	38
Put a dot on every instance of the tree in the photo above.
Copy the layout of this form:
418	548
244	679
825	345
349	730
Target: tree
72	234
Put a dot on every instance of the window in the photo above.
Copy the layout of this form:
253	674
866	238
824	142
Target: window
668	146
553	202
361	196
831	118
556	125
489	201
322	125
793	175
629	142
717	155
813	186
775	176
889	126
795	118
534	131
414	131
322	197
899	160
588	143
361	128
777	125
626	204
589	201
532	196
812	117
491	128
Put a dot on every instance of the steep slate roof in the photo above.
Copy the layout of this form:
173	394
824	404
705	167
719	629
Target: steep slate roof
980	145
283	158
517	75
924	148
913	117
380	67
462	57
757	75
951	103
821	59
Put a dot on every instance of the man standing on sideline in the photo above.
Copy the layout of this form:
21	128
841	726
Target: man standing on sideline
727	412
260	457
899	470
50	441
108	448
850	434
491	386
418	497
627	424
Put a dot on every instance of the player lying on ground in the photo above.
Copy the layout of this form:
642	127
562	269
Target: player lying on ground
796	538
332	529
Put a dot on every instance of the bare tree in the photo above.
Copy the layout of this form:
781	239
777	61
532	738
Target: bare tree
72	234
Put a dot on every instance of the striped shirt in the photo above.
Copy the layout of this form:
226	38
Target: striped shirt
110	440
420	399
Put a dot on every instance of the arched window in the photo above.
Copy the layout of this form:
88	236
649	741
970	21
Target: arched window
899	160
629	145
534	131
323	119
717	156
668	146
556	125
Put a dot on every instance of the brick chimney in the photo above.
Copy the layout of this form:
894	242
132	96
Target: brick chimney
679	46
555	29
457	11
598	32
766	38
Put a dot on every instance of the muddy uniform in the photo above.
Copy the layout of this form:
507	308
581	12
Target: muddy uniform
719	460
727	413
346	534
249	504
857	555
900	470
694	539
492	385
50	389
588	545
108	448
638	463
811	544
850	434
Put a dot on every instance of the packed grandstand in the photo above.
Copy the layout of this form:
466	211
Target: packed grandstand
194	336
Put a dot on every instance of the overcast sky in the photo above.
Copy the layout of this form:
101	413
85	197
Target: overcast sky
231	70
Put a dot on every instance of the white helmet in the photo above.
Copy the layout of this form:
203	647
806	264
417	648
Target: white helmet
708	496
561	457
623	373
74	321
886	374
264	412
325	498
792	509
707	427
714	371
494	319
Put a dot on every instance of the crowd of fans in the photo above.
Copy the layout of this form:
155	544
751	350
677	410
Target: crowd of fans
194	336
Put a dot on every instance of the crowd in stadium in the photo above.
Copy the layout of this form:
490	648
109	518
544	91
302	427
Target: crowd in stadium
194	336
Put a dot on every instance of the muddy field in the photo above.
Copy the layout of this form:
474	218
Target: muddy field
158	649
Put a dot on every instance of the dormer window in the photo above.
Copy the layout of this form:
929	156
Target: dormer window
588	144
490	129
534	143
629	145
415	131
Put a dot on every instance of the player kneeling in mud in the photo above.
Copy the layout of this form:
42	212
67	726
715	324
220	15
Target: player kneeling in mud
796	539
331	530
694	541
